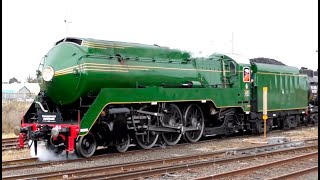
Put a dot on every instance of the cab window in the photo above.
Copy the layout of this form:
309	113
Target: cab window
246	74
232	68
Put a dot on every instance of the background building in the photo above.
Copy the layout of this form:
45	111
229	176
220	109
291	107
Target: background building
19	91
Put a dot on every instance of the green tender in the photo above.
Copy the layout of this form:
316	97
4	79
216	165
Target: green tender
287	89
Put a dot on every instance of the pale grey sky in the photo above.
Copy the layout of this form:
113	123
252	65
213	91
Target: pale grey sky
286	30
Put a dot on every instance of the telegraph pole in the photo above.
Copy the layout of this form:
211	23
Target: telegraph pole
66	21
232	43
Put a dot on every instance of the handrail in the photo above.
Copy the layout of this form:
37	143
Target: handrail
42	108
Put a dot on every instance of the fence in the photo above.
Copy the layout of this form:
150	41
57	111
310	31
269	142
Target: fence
17	96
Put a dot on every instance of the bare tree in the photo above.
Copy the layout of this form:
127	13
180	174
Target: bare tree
31	80
13	80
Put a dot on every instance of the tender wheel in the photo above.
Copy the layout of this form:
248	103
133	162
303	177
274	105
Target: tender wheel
86	146
172	118
147	139
193	118
314	118
124	144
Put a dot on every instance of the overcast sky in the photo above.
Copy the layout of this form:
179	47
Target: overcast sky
286	30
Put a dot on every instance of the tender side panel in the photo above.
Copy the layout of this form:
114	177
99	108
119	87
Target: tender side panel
287	89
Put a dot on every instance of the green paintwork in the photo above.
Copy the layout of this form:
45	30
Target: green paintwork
94	66
287	89
125	49
219	96
66	55
60	57
271	68
245	87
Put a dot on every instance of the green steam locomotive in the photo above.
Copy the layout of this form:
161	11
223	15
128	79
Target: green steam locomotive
115	94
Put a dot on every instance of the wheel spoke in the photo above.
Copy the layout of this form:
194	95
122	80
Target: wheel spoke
86	146
175	115
172	138
124	145
142	139
192	134
194	112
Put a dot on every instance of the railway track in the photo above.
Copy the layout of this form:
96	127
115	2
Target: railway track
28	163
156	167
10	144
296	174
238	172
23	162
148	171
9	140
18	161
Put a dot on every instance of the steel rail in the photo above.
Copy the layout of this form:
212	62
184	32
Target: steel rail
10	140
174	168
10	144
296	174
18	161
144	164
48	163
255	168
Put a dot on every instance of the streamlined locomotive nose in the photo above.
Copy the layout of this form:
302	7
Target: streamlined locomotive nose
57	77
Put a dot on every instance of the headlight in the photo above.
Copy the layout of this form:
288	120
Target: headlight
47	73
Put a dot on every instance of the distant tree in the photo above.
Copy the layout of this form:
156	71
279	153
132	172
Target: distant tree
13	80
31	80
